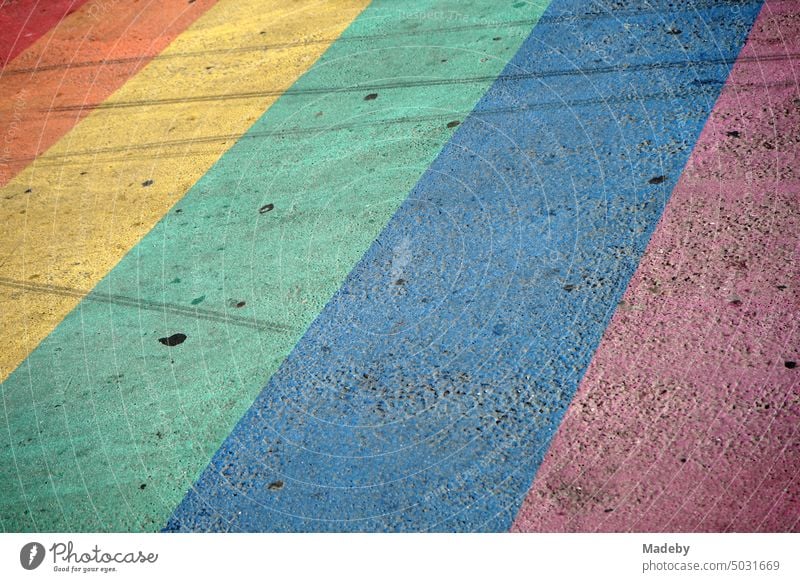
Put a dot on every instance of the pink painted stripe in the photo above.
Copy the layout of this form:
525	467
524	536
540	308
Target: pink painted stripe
688	418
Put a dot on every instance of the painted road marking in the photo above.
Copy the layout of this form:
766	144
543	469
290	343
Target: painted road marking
23	22
425	394
687	419
135	390
71	215
84	62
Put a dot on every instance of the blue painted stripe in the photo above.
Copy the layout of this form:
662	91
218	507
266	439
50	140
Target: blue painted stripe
425	394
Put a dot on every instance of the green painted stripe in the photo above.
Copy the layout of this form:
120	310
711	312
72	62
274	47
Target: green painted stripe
108	427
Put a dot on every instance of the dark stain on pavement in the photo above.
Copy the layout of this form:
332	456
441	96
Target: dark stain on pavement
175	339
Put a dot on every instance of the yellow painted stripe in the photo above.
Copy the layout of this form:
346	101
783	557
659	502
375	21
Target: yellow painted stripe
71	215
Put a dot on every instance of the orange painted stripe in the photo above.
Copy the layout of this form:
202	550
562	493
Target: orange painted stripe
23	22
84	60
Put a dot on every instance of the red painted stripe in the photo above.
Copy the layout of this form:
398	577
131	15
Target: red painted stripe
23	22
688	418
50	87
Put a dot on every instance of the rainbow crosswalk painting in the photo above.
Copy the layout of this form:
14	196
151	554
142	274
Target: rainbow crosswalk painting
431	265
